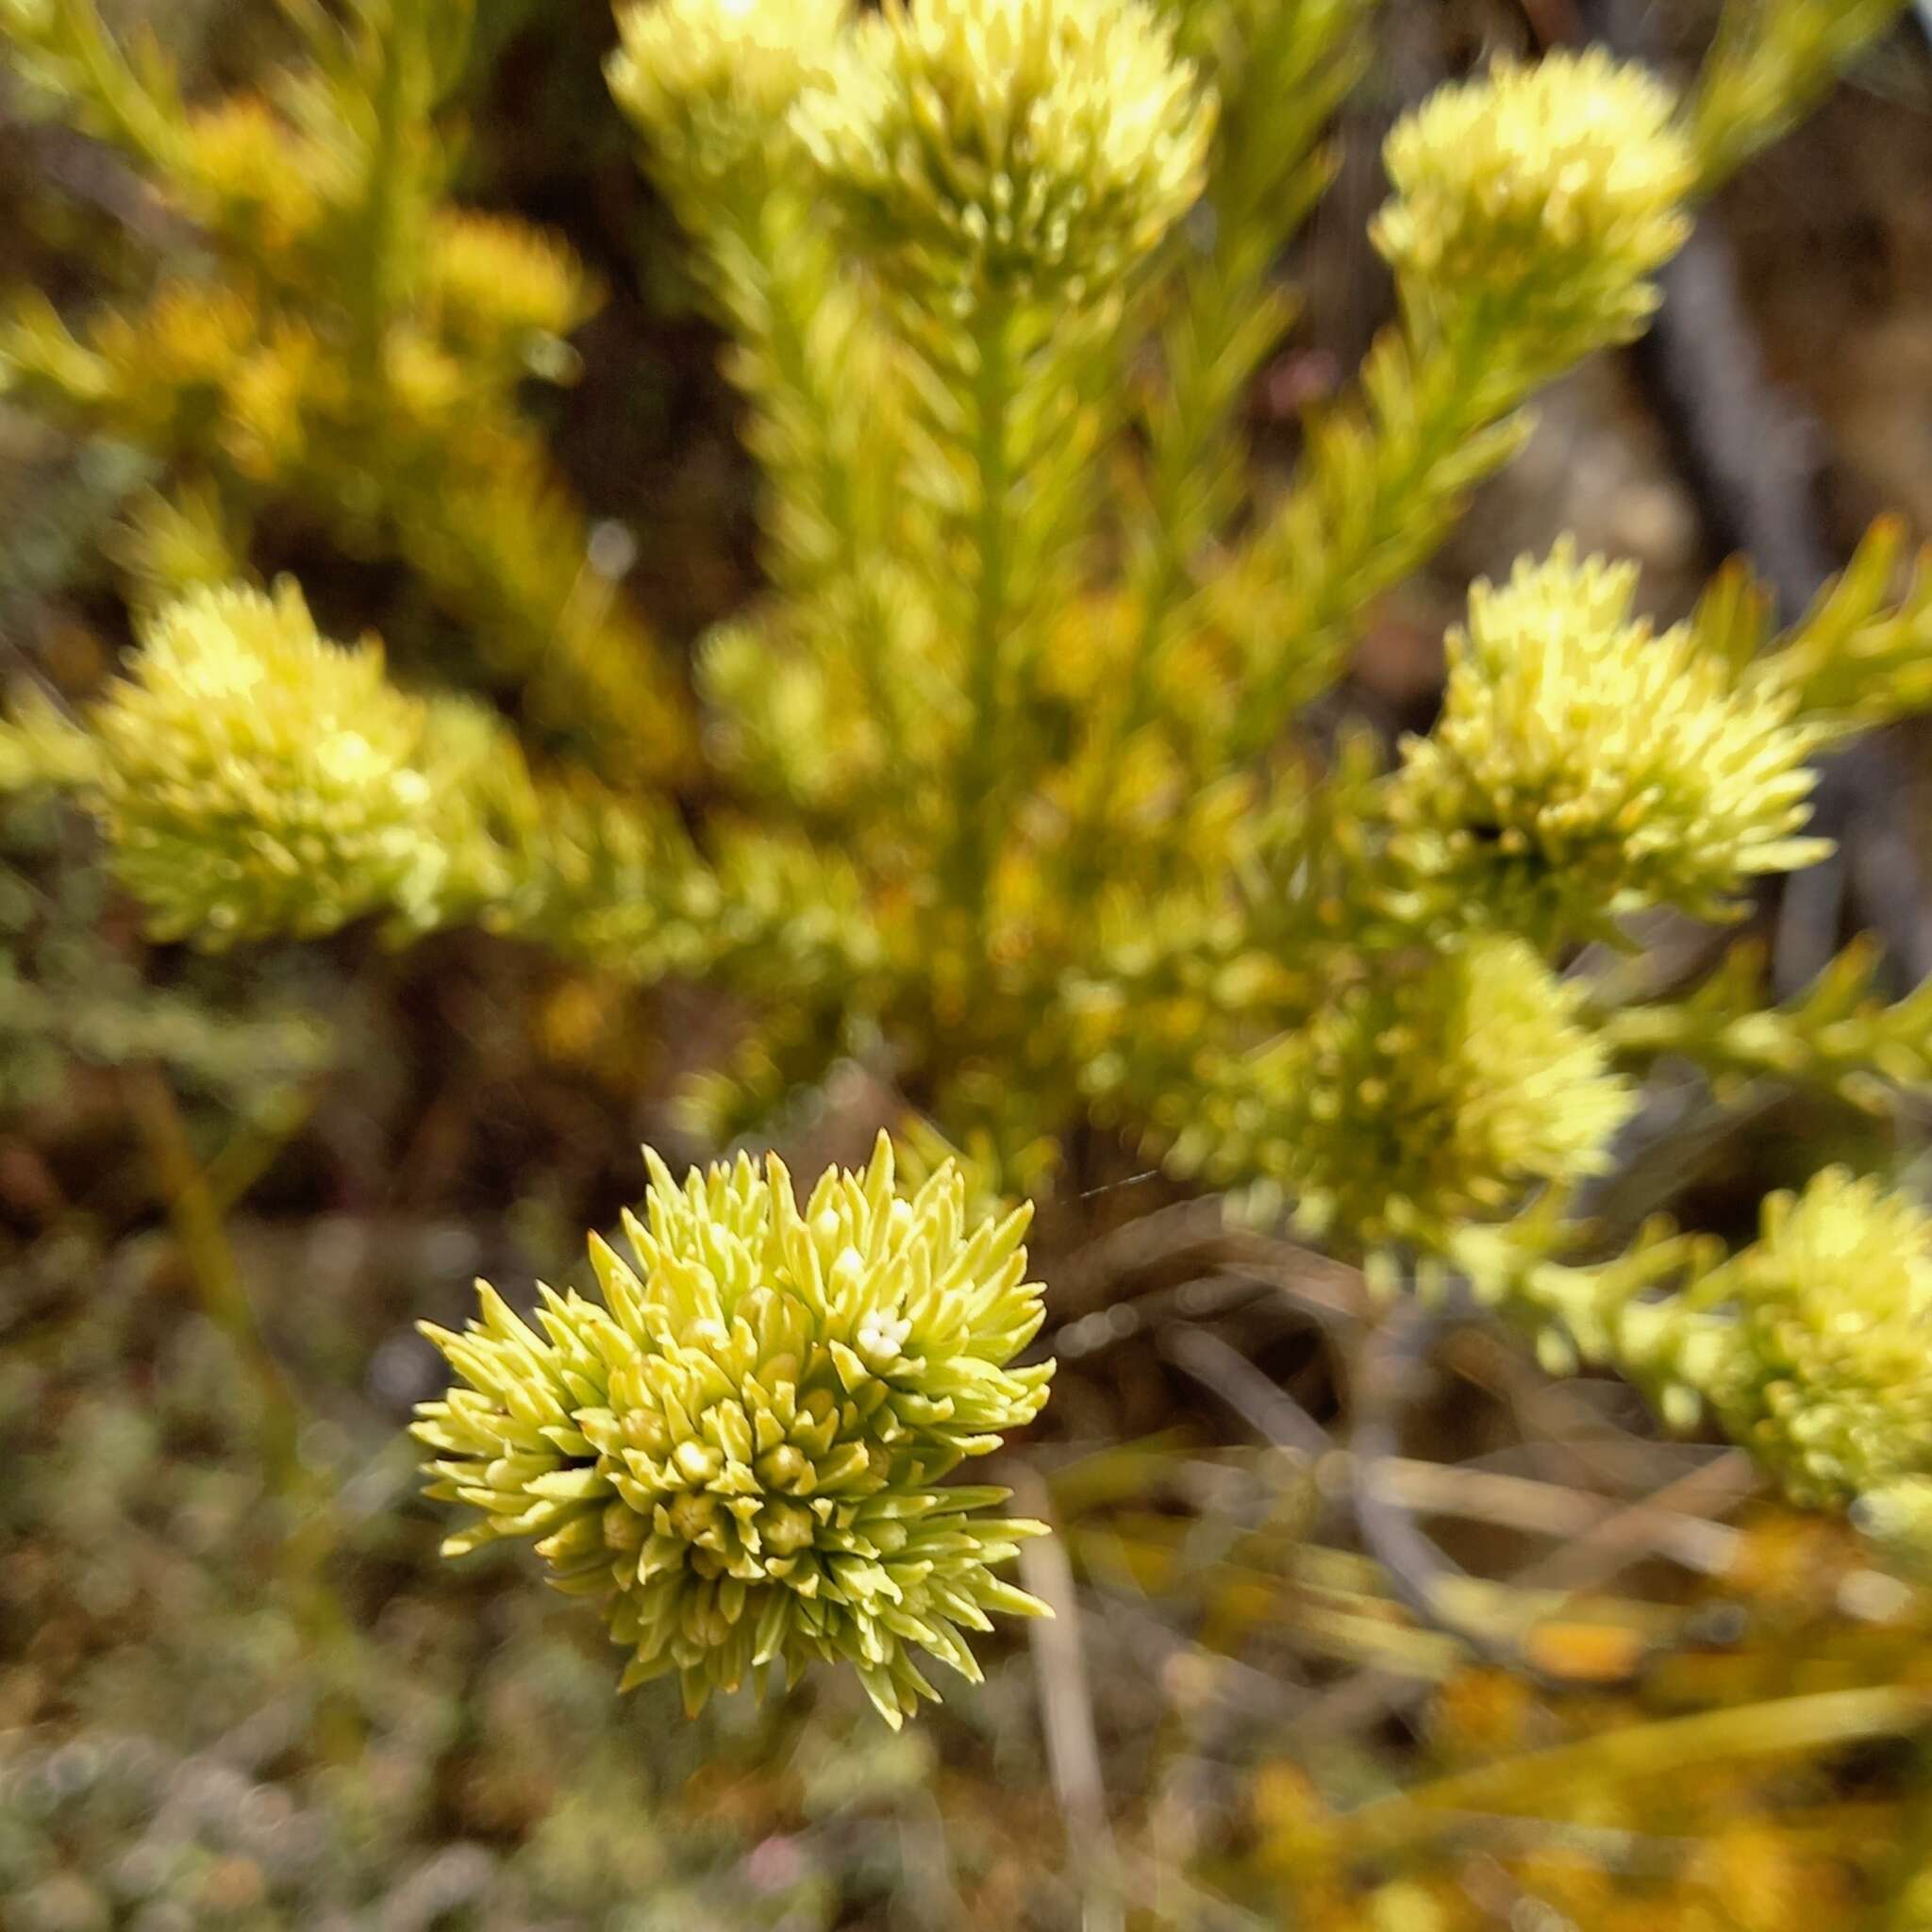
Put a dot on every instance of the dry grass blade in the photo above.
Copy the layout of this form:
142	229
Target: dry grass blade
1066	1703
1815	1722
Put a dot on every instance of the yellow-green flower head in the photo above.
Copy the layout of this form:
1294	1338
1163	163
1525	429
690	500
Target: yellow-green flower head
1407	1107
1032	146
709	81
1584	767
256	778
740	1450
1825	1367
1548	194
1441	1099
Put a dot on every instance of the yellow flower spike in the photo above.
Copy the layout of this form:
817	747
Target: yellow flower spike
1548	195
1040	147
741	1449
1583	768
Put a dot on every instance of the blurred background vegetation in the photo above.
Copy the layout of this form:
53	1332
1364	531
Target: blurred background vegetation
244	1694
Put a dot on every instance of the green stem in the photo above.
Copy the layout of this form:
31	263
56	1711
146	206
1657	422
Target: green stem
197	1227
376	297
993	380
1181	514
775	290
1378	494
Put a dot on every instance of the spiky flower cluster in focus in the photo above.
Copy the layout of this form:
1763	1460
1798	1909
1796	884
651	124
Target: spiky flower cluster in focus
1584	767
1552	192
1018	145
741	1450
258	779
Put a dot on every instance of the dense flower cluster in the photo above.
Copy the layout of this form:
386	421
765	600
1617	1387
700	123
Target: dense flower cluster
1416	1101
1032	146
256	778
709	80
1584	767
1823	1370
248	173
741	1450
1548	193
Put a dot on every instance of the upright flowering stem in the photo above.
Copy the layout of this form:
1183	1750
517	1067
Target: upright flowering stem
1005	166
399	48
991	383
708	84
1531	208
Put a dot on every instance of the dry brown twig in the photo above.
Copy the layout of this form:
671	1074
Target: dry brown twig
1066	1703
